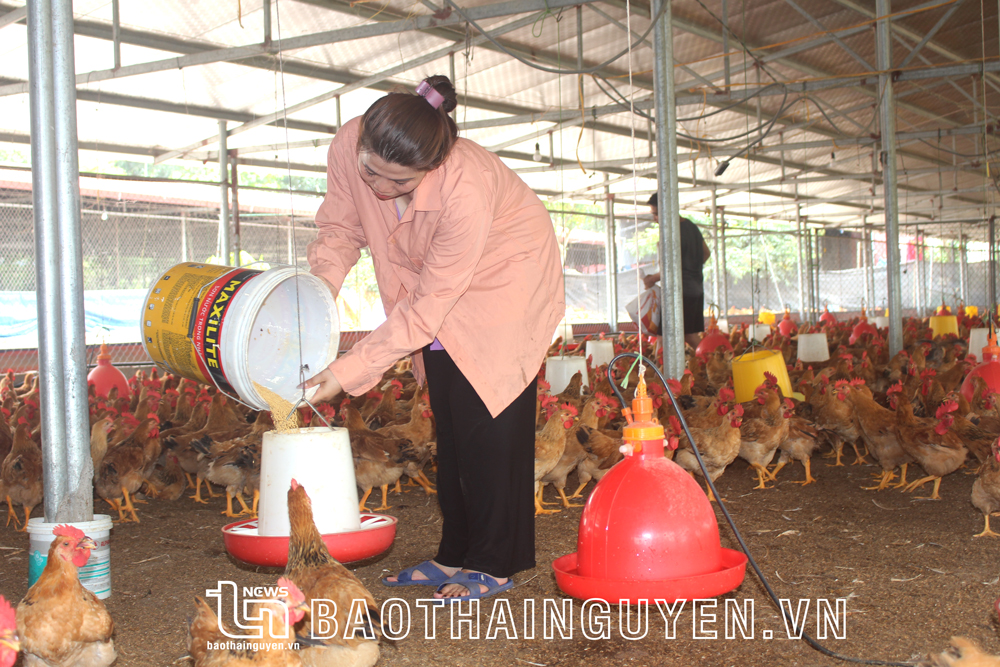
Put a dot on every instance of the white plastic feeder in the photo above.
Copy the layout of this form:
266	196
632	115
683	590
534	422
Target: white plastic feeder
600	351
723	324
881	321
560	370
96	574
813	347
564	331
761	331
977	341
320	460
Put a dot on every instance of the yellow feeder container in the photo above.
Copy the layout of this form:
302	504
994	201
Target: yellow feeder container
766	317
944	324
971	311
748	373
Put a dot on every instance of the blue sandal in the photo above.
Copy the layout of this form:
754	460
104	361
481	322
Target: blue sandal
471	580
435	576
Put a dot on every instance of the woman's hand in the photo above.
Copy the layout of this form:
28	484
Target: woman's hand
328	385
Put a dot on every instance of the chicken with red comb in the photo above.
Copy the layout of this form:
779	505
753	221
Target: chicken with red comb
9	645
61	623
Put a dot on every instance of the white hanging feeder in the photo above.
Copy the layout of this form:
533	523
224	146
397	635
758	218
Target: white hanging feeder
977	341
564	331
600	351
813	347
761	331
560	370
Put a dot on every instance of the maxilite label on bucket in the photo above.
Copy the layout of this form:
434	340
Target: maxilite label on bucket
184	317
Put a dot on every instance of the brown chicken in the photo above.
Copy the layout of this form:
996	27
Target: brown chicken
718	445
763	433
877	426
272	621
833	412
123	468
572	393
354	613
573	453
60	623
603	451
986	489
21	475
378	460
385	412
930	442
167	481
961	653
550	444
9	643
802	441
419	431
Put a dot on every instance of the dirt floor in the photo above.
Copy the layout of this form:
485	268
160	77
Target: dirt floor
910	570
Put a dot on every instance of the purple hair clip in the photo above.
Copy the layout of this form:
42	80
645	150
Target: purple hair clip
433	97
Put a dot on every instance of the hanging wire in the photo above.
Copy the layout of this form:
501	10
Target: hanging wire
635	185
303	368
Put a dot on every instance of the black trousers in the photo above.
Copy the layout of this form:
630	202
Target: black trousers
485	478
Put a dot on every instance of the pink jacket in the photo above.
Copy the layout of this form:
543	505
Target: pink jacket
473	262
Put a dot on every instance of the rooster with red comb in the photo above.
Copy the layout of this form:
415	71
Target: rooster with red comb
9	645
61	623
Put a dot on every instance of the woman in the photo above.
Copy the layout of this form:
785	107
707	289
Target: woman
469	274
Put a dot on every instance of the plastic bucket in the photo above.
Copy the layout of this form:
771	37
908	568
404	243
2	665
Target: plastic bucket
942	325
232	327
600	351
881	321
813	347
319	459
560	370
748	373
96	574
978	339
761	331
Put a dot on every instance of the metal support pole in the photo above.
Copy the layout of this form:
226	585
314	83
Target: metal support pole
291	259
862	258
870	262
184	236
887	157
611	257
224	251
452	76
963	267
993	268
266	9
803	309
724	272
337	100
918	285
807	238
671	298
67	472
237	246
818	264
715	252
116	36
725	42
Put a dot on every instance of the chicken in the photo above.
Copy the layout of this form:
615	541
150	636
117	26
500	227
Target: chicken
230	468
99	440
573	453
60	623
603	451
986	489
977	439
6	434
878	431
719	368
763	433
803	439
571	394
21	475
832	411
9	644
931	443
718	445
385	411
961	653
354	613
271	623
419	431
550	444
167	481
378	460
123	469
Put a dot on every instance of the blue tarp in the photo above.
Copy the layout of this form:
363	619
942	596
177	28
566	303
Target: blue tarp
112	316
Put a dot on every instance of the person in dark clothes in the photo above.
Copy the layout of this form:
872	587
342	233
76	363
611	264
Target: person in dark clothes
694	254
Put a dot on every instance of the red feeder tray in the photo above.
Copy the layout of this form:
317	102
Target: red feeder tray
375	536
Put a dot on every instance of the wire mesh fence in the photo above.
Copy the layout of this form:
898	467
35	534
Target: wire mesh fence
133	234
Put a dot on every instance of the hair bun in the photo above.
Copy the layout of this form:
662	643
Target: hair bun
443	85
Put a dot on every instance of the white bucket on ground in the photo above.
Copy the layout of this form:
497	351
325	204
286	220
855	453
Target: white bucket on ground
232	327
96	574
560	370
977	341
319	459
813	347
601	351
